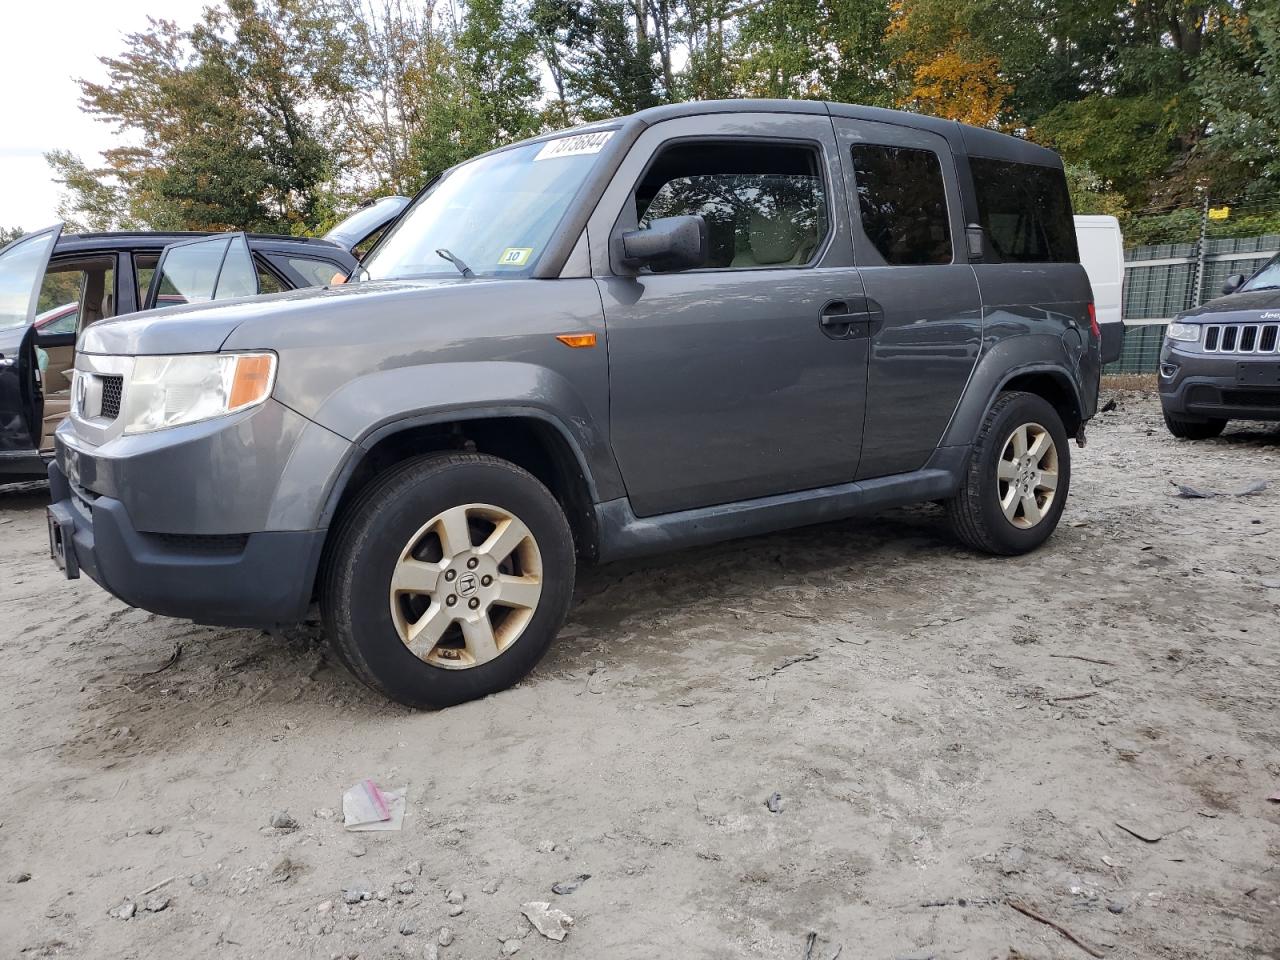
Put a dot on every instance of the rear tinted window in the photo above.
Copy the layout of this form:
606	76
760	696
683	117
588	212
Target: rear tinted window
903	204
1025	210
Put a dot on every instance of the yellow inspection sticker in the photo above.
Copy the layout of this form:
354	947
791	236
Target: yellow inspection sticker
515	256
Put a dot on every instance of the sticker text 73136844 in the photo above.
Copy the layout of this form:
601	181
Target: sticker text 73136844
575	146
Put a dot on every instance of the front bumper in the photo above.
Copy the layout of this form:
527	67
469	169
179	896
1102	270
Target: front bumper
1210	386
256	579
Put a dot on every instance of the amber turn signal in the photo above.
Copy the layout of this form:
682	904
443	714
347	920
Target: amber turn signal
577	340
251	380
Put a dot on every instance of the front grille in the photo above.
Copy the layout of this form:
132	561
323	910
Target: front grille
1241	337
112	388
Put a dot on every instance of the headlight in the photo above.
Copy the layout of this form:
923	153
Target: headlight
1184	332
169	391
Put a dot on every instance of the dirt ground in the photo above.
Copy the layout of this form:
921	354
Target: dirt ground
947	732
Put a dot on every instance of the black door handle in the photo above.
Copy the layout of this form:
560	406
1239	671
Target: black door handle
840	318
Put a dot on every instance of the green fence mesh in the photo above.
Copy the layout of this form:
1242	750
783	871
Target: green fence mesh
1141	351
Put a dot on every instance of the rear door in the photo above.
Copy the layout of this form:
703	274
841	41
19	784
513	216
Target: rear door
22	268
908	236
197	271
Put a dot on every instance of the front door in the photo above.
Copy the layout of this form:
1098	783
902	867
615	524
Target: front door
22	268
908	232
738	380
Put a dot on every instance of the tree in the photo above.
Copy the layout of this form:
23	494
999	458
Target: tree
489	94
944	66
617	69
831	49
708	29
219	116
1239	85
94	198
386	68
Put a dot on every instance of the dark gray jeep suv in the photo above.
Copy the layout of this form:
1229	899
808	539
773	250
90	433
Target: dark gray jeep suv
1221	361
695	323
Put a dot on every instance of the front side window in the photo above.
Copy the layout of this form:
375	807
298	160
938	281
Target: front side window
903	204
764	204
492	216
1025	210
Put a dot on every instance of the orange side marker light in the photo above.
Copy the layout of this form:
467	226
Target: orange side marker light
577	340
251	380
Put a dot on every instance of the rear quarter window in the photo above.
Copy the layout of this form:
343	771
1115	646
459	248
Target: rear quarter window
1025	211
316	273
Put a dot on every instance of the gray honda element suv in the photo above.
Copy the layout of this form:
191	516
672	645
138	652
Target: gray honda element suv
698	322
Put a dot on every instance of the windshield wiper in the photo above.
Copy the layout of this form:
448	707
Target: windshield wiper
456	261
1265	286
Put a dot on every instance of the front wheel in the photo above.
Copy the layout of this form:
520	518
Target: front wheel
1016	482
1185	429
447	579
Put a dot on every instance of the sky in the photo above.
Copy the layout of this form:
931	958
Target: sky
45	46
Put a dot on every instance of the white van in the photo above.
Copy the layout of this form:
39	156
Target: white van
1102	255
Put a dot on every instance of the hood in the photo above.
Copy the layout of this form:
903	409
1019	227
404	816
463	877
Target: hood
205	327
1246	307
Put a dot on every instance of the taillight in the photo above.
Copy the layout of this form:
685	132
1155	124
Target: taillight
1093	323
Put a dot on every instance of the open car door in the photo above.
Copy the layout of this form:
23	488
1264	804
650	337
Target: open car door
22	268
204	269
357	233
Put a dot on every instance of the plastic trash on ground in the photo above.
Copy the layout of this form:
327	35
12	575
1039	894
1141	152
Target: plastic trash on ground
366	806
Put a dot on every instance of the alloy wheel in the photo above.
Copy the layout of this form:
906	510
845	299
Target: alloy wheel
466	586
1028	475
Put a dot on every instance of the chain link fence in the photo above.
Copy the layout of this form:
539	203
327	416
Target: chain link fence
1179	258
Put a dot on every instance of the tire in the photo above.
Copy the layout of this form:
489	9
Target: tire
1185	429
521	592
976	514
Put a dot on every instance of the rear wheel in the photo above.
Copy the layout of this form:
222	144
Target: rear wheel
1185	429
448	579
1017	479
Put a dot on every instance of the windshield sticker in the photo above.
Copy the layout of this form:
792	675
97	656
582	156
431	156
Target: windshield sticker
576	146
515	256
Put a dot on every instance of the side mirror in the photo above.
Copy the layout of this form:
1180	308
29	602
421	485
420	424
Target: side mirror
1234	283
668	243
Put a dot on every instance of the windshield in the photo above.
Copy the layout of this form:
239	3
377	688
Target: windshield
1268	278
494	215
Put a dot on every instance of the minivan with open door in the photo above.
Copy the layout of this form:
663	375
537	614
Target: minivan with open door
22	269
54	285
